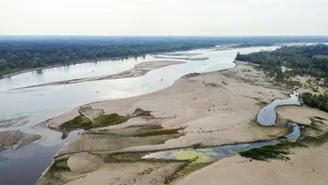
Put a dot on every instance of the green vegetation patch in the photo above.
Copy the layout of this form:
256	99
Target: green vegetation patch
301	60
312	126
319	118
110	119
141	112
315	141
157	132
190	168
80	122
60	165
194	156
316	101
126	157
267	153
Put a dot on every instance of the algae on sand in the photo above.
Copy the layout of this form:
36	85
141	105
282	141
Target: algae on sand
79	122
266	153
110	119
103	120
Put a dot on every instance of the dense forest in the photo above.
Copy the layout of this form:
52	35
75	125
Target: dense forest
301	60
18	53
319	101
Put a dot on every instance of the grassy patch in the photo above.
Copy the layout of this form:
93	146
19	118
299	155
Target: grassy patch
190	168
260	102
316	141
124	157
185	169
80	122
158	132
110	119
319	118
314	121
146	172
141	112
214	85
266	153
311	126
60	165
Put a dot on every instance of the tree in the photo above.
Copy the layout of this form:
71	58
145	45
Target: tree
38	62
3	64
34	64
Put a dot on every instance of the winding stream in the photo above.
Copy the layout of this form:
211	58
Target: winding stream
266	117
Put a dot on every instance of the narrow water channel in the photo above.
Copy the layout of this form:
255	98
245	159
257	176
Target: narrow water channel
266	117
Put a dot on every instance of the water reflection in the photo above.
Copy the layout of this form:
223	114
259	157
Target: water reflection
206	154
26	164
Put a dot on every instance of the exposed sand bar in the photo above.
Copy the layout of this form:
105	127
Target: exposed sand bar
177	57
186	54
209	109
9	139
138	70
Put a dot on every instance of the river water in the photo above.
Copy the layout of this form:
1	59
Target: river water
35	105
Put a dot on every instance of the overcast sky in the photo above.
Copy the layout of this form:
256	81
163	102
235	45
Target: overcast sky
162	17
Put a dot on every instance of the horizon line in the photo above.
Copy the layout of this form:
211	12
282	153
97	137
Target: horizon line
41	35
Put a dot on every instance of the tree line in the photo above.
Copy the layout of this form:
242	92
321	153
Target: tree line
319	101
301	60
18	52
15	56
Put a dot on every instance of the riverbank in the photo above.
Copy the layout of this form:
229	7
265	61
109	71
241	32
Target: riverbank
211	109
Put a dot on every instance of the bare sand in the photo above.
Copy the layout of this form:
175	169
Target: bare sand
138	70
16	138
308	166
186	54
301	114
210	109
181	57
214	108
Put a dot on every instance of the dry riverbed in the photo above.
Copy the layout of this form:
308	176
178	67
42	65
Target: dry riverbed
199	110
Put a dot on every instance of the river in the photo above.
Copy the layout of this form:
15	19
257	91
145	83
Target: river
35	105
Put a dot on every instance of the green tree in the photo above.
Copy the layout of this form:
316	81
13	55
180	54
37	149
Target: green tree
38	62
3	64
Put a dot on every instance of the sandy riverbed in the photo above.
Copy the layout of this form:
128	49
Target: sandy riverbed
210	109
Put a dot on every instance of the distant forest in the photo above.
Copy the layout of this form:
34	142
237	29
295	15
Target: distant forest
301	60
319	101
19	53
